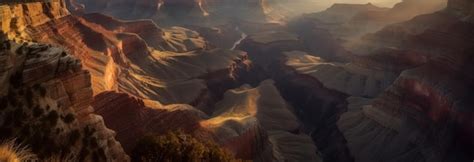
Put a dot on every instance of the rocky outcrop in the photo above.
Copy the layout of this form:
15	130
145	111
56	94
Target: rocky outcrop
424	115
45	98
175	11
315	105
266	47
253	123
156	65
346	23
348	78
133	118
246	108
14	18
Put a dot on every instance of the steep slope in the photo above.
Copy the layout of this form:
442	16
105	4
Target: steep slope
418	72
173	65
346	23
133	118
175	11
427	113
253	123
246	107
45	99
15	17
158	64
348	78
316	106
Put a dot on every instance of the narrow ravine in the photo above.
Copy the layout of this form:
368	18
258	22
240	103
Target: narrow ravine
318	108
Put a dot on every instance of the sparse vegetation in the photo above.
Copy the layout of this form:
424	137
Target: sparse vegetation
52	117
74	136
16	80
48	129
37	111
177	146
11	152
69	118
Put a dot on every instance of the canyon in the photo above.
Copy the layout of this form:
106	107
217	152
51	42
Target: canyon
355	82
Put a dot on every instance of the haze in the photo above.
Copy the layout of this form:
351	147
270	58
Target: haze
307	6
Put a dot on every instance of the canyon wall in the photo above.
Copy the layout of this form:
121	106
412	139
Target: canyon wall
16	17
424	114
174	11
399	94
253	123
45	98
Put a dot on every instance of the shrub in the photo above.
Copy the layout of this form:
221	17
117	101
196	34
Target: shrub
16	80
52	117
69	118
93	142
177	146
10	151
83	154
74	136
37	111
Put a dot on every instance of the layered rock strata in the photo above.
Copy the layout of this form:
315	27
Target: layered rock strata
15	18
348	78
157	65
246	107
176	11
253	123
315	105
45	98
344	24
425	114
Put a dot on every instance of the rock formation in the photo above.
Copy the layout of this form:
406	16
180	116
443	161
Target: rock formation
45	98
346	23
254	123
244	108
344	77
132	118
175	11
16	17
317	88
315	105
156	65
422	114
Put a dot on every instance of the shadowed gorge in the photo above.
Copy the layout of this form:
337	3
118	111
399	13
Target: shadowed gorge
237	80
